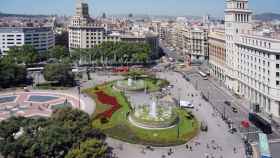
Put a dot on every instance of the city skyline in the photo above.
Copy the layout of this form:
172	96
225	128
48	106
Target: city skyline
155	7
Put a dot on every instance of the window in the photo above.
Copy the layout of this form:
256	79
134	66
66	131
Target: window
277	83
277	66
277	74
277	57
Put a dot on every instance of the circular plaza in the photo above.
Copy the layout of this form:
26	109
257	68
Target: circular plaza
148	120
36	104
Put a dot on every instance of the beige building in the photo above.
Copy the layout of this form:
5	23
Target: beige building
196	44
84	32
217	54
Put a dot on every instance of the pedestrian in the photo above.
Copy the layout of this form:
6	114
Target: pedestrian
187	146
190	148
143	151
234	150
170	150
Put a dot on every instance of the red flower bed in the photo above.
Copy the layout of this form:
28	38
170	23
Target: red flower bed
121	69
108	100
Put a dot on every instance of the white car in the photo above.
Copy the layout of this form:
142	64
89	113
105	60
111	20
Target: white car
186	104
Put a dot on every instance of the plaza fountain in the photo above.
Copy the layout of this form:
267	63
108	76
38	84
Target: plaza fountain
154	116
129	82
130	85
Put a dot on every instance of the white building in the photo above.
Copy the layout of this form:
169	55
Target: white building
252	61
41	38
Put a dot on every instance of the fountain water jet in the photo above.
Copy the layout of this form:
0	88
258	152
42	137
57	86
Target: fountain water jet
153	109
129	82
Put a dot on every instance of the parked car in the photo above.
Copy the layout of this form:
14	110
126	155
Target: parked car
234	109
186	104
170	86
203	126
227	103
186	78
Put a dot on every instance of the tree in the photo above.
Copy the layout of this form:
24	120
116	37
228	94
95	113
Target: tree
8	129
92	148
11	74
73	119
25	54
60	73
52	141
58	52
48	137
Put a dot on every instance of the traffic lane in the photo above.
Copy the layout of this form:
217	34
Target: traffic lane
218	98
217	95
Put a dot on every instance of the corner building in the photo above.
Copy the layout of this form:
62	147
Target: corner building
252	60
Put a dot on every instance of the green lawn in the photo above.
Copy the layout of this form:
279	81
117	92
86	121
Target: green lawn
119	127
52	86
61	106
155	84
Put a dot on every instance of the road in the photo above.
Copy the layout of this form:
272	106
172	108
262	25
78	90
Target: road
169	53
217	98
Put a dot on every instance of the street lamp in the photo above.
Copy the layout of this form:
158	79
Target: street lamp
179	96
79	93
178	127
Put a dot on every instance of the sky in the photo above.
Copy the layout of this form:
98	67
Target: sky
152	7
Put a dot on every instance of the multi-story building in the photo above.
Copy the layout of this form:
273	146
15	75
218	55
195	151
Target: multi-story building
189	41
41	38
250	66
258	75
217	54
163	29
196	44
237	21
85	32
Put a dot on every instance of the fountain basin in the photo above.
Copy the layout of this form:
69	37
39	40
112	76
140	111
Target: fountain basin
130	85
164	118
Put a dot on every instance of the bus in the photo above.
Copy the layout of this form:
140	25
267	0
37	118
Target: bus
261	123
35	69
202	74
